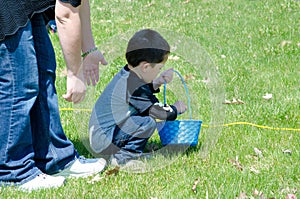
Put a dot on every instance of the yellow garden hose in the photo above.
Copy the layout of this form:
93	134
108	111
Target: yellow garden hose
207	126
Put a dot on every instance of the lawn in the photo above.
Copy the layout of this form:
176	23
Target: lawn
226	50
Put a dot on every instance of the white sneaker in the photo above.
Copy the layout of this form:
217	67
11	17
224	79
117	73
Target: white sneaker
83	167
42	181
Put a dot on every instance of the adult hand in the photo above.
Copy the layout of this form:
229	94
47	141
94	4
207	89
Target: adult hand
91	67
180	106
76	88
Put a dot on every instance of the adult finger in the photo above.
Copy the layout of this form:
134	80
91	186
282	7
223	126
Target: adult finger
87	77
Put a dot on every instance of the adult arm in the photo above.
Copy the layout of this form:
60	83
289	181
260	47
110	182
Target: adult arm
91	60
69	33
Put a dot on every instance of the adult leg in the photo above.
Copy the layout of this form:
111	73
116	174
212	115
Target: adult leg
52	148
18	92
132	136
53	151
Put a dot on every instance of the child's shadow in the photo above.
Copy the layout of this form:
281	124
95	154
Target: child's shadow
155	146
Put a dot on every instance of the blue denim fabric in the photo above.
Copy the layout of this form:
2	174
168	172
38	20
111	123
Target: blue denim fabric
131	137
32	139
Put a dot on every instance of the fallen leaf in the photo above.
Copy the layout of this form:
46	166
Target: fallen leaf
189	77
234	101
287	151
289	190
113	171
237	164
285	42
227	102
268	96
291	196
149	4
258	152
257	193
252	157
237	101
254	170
194	187
173	57
240	101
242	195
96	178
205	80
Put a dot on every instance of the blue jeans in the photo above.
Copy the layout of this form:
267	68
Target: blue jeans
32	139
130	138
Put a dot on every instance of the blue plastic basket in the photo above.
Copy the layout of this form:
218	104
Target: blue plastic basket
184	132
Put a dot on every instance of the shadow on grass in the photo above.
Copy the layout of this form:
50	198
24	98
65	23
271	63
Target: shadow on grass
81	148
153	146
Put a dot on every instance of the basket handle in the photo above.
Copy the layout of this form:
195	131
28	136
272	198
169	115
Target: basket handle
186	92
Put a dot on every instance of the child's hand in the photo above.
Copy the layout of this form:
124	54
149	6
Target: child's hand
180	106
165	76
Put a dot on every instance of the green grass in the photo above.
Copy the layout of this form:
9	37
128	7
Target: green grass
254	46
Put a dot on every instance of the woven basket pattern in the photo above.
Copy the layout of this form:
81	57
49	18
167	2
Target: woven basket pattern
179	132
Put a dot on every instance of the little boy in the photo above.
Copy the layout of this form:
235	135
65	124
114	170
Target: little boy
123	118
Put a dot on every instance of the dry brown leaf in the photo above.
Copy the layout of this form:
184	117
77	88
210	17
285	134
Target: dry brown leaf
194	187
236	163
189	77
113	171
97	177
149	4
252	157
